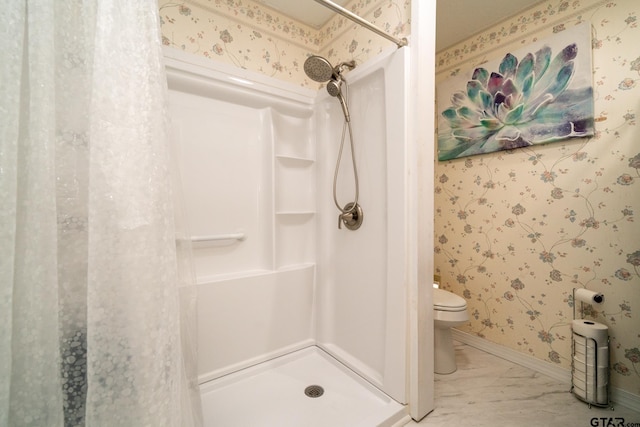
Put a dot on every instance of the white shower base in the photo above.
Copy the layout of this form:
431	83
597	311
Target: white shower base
272	394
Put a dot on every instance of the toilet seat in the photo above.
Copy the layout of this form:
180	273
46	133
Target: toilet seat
447	301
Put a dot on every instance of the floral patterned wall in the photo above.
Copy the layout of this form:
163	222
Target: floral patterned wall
516	231
249	35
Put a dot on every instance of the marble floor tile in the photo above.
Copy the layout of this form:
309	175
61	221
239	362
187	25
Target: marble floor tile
489	391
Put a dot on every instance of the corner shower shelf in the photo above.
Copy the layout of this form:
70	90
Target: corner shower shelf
294	238
295	267
294	159
232	275
293	177
285	213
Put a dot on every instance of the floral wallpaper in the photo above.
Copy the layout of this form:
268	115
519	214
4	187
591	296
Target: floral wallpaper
516	231
250	35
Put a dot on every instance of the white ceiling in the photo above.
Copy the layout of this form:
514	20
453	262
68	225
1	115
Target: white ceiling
306	11
456	19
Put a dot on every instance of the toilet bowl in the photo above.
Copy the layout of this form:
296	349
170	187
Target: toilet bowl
449	310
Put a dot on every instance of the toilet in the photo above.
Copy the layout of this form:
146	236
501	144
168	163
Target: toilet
449	310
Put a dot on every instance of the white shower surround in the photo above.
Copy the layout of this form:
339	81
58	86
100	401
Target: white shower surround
258	156
361	290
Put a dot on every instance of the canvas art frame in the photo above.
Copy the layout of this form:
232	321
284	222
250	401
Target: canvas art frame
532	95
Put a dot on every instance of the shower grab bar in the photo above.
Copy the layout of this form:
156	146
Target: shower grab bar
355	18
216	237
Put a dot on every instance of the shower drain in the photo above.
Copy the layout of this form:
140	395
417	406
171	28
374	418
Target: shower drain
314	391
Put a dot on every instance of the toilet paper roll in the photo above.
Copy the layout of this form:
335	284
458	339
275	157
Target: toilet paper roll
602	395
602	384
589	357
600	375
587	296
603	357
594	330
589	390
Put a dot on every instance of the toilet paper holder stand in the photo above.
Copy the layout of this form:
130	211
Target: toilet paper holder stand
589	398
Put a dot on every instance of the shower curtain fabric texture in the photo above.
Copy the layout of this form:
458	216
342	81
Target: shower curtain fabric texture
92	328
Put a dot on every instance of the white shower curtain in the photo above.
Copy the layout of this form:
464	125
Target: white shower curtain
90	292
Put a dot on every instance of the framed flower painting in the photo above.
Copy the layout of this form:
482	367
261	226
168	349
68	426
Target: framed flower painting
533	95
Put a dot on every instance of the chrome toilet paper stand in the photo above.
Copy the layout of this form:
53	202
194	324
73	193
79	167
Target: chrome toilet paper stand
590	400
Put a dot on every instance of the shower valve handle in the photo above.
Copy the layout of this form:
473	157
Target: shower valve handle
351	216
344	217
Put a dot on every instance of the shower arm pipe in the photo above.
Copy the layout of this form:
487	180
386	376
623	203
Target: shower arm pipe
355	18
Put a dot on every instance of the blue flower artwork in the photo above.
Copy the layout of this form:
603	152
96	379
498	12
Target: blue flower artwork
535	95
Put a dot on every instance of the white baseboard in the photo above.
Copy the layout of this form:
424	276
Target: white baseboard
618	396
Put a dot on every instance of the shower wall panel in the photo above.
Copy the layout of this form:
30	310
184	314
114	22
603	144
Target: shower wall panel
362	289
224	151
246	154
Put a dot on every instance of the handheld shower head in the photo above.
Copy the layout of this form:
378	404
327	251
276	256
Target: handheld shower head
334	86
318	69
334	89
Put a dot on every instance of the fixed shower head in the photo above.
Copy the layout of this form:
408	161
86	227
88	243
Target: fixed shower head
318	69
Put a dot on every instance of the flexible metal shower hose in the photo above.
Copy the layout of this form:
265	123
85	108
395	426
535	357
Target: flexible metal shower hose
346	126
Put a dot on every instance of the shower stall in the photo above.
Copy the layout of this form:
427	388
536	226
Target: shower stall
286	298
